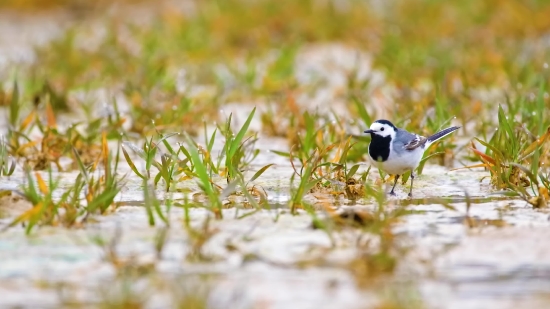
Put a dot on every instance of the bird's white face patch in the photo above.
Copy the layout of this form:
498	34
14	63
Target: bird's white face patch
382	129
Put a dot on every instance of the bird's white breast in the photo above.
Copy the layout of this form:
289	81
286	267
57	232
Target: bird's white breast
400	162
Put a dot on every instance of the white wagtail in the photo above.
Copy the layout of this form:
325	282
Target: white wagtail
397	151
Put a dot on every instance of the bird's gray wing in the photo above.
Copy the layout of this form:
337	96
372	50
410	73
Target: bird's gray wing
408	140
419	141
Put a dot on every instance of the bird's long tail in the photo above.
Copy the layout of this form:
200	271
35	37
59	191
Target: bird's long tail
441	134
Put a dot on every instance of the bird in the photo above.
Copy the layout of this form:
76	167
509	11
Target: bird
396	151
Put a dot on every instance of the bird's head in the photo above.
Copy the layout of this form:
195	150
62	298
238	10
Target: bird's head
382	128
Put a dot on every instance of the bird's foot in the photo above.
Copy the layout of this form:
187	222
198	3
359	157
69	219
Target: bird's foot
392	193
410	195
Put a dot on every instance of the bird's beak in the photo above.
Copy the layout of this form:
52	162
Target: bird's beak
369	131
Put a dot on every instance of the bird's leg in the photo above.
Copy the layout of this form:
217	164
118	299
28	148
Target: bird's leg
394	183
412	181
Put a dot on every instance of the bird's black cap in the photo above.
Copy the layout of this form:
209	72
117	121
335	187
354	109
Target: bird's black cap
384	121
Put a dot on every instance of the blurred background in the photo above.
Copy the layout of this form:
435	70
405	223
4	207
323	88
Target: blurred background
418	62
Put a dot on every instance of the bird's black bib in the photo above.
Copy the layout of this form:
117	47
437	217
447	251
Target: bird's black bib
379	148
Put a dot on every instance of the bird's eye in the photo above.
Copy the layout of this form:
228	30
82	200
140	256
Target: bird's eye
382	129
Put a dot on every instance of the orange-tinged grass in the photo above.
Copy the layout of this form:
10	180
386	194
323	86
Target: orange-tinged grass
41	5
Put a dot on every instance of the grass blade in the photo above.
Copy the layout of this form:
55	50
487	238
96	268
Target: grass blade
281	153
14	105
237	141
260	172
80	165
131	163
352	171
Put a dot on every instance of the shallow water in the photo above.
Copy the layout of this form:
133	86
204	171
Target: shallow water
451	265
